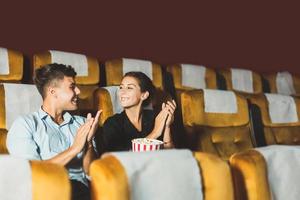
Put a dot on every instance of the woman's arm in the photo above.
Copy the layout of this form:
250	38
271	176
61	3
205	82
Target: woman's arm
163	123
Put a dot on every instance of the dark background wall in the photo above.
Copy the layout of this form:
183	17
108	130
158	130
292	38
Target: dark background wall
259	36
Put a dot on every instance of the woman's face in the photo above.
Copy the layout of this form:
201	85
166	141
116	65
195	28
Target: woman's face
130	92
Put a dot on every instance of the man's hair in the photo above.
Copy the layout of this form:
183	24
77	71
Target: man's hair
47	74
145	84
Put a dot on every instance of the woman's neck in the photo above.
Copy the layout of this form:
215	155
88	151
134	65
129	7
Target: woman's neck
134	115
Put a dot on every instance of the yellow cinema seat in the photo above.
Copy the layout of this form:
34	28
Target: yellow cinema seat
110	181
87	84
15	64
273	80
106	99
115	70
48	181
256	81
177	73
219	133
29	95
250	176
268	132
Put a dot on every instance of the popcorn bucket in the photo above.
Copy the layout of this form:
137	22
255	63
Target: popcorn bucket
145	144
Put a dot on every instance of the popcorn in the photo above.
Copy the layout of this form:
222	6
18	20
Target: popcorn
145	144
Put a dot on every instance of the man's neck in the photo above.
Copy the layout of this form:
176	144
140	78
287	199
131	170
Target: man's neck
56	115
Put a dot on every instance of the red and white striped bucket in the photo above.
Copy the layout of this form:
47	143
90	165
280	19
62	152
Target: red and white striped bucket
145	144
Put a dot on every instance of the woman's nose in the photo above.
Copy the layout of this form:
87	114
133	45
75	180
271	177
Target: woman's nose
77	90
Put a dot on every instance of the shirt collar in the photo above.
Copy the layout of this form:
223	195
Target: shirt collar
67	116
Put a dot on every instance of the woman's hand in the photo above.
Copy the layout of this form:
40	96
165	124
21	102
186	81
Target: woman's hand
170	108
94	125
164	119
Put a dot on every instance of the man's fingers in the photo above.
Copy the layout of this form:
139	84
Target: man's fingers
89	116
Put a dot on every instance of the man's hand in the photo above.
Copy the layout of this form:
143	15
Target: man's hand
94	125
81	136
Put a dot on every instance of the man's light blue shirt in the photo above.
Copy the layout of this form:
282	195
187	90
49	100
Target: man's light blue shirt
37	137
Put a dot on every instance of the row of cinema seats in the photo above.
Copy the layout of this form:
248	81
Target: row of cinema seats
249	175
217	132
215	121
179	76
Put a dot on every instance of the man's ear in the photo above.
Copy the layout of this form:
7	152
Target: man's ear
51	91
145	95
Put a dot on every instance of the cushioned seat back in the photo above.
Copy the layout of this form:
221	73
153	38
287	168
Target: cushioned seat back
242	81
87	80
116	68
36	180
274	132
11	106
11	64
278	82
216	132
179	75
250	176
107	100
188	77
110	180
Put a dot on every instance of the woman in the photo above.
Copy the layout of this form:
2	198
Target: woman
136	91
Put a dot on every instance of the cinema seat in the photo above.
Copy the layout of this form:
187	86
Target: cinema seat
110	181
106	99
283	83
279	130
250	176
245	82
13	61
189	77
42	180
116	68
11	106
87	82
218	130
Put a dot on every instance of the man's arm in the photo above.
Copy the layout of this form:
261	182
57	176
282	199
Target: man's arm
80	139
20	142
90	153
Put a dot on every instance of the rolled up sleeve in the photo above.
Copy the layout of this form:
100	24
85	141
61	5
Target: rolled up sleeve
20	142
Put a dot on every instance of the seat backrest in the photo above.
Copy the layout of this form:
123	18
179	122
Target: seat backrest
12	106
250	176
216	121
110	179
186	76
23	179
11	65
116	68
276	119
283	83
242	80
87	68
107	100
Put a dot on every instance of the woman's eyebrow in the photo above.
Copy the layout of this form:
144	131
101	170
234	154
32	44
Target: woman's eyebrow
132	84
129	84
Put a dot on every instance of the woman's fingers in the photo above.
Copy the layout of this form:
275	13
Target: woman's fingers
172	104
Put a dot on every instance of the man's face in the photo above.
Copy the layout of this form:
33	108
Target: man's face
66	93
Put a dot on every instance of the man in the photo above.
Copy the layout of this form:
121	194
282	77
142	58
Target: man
53	135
